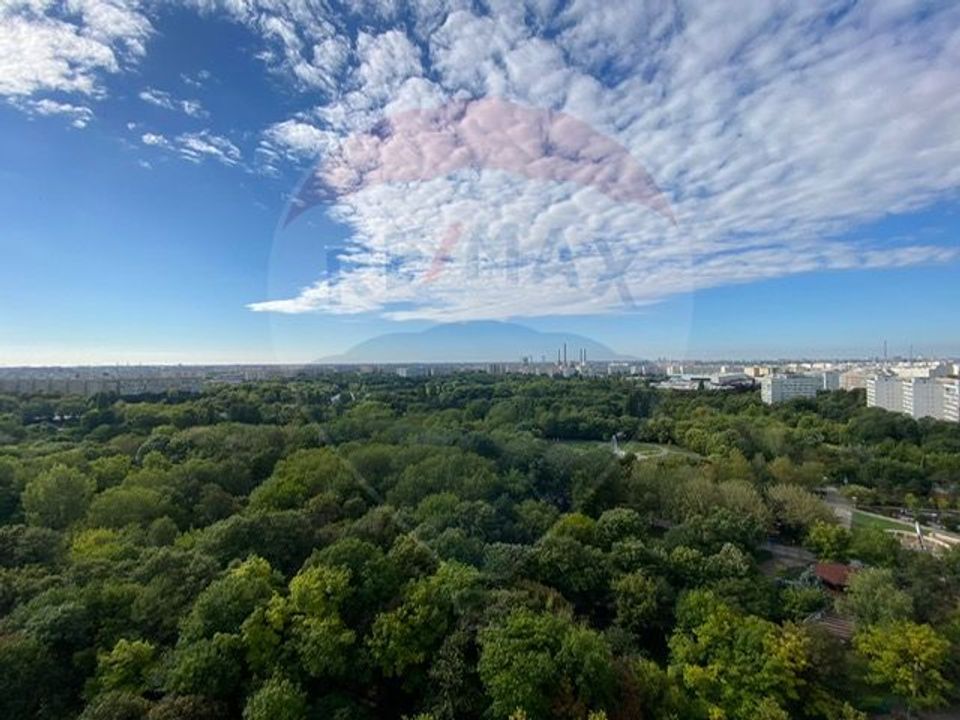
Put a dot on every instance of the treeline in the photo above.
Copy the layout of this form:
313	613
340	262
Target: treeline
376	547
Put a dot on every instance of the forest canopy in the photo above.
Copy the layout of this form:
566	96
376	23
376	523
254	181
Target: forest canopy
467	546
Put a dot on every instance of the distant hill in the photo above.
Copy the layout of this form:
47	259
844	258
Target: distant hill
480	341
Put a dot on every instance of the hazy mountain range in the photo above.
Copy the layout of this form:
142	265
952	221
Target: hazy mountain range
481	341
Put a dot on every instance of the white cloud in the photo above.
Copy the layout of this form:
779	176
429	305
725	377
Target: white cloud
154	139
113	22
386	62
196	146
775	131
67	46
162	99
319	65
157	98
298	139
196	80
193	108
42	55
207	145
79	115
303	38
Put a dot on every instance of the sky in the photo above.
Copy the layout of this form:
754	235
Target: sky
278	180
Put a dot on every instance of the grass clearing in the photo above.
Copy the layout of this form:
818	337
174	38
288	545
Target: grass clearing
865	520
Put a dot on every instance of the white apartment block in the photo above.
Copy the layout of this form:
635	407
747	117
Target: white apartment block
922	397
885	391
919	397
831	379
780	388
950	399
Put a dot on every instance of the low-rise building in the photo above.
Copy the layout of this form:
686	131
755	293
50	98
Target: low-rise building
922	370
855	378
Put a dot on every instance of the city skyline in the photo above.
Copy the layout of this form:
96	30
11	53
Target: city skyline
670	180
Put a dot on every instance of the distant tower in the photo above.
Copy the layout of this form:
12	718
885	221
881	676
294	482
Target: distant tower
564	354
884	350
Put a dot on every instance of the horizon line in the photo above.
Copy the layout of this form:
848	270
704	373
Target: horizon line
513	361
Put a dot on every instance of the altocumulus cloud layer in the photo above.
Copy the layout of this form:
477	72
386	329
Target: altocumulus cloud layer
714	143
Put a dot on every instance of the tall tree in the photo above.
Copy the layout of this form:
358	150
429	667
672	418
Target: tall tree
544	665
909	659
58	497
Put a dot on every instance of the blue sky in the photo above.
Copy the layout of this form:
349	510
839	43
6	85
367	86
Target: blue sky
708	180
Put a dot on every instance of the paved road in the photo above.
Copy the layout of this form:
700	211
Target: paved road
841	507
789	552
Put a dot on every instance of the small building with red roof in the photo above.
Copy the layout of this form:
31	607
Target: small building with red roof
835	576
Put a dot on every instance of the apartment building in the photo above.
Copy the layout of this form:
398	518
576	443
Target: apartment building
950	408
922	397
831	379
919	397
780	388
885	391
